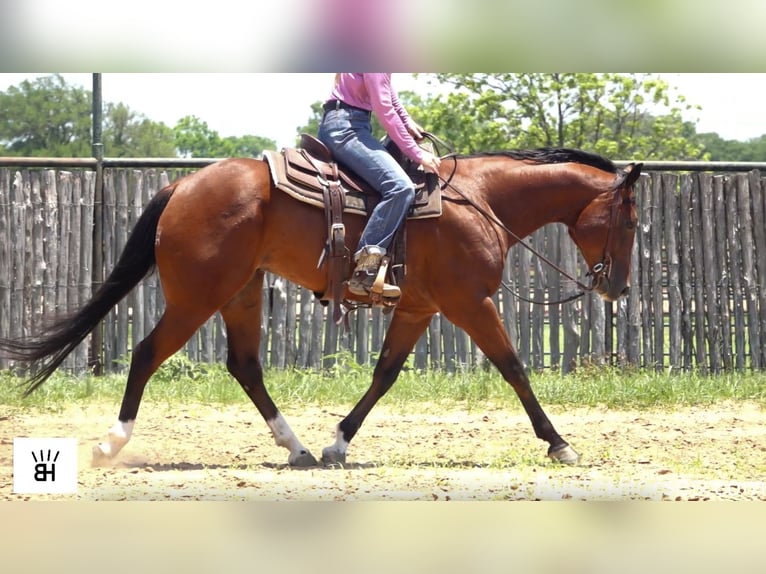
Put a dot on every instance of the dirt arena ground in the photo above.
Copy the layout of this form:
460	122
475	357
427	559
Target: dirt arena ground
203	452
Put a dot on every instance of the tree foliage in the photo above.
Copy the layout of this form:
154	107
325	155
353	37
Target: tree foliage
49	118
45	117
720	149
194	138
622	116
129	134
619	115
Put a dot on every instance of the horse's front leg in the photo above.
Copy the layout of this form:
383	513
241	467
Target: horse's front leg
402	334
483	324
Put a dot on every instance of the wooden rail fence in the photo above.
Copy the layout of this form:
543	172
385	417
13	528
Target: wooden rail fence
698	297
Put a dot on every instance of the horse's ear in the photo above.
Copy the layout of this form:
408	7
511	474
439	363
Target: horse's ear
632	172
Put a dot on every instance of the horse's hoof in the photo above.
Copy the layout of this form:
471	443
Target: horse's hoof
332	457
564	454
303	460
100	458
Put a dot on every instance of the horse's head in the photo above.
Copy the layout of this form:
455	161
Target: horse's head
604	233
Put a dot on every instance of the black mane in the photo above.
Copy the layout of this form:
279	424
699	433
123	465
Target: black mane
554	155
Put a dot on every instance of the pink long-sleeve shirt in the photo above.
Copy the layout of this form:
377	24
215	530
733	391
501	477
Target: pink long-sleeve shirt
374	92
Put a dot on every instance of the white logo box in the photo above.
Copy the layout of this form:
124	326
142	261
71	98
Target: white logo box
44	465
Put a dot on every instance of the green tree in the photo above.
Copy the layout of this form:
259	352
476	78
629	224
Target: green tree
128	134
719	149
45	117
48	117
619	115
245	146
194	138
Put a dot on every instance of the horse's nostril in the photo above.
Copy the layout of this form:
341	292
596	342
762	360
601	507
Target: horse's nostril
625	291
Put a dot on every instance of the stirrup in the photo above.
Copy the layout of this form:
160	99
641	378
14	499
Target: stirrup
381	292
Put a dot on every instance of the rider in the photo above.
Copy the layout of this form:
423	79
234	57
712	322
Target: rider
346	130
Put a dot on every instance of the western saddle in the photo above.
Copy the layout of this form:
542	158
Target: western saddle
309	174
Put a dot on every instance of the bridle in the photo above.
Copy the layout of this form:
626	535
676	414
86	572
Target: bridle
597	273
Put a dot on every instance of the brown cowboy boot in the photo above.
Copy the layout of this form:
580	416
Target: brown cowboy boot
363	278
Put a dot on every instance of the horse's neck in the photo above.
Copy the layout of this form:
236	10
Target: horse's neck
527	197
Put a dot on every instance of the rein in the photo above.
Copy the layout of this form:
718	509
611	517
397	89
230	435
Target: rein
596	272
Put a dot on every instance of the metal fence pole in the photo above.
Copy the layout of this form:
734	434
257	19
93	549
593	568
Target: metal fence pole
97	339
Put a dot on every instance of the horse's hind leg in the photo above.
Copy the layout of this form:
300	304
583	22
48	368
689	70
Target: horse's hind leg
242	316
172	331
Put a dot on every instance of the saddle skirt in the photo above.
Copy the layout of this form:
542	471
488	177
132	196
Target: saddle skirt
300	173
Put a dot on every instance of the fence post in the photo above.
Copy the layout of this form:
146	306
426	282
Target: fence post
97	338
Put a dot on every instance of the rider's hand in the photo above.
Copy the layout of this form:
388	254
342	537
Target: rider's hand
415	130
430	162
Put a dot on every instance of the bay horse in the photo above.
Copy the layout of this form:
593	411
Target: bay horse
214	233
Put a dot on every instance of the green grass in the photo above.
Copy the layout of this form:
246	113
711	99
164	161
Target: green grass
180	380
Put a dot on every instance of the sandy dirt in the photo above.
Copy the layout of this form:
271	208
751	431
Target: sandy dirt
203	452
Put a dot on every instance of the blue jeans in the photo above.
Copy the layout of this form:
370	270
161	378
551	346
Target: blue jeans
348	135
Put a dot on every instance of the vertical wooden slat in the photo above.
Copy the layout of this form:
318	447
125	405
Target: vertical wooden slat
17	212
330	349
51	209
435	342
462	348
670	208
109	208
278	309
38	257
723	280
263	348
378	327
633	320
735	266
700	342
291	324
65	231
137	297
537	324
525	321
711	271
317	335
657	291
554	294
759	232
121	238
420	352
448	336
644	187
586	309
509	309
749	273
29	262
6	270
571	312
81	259
88	189
598	330
80	353
304	328
686	271
362	328
633	304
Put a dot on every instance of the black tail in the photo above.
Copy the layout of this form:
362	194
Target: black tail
44	352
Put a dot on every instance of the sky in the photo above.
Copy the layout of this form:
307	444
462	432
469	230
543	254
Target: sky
274	105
